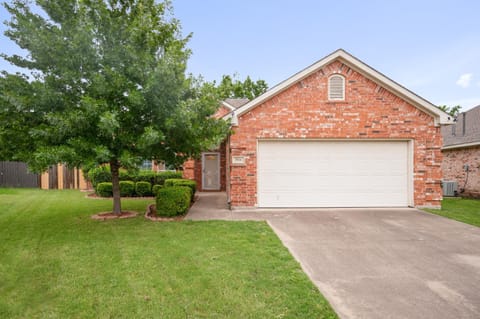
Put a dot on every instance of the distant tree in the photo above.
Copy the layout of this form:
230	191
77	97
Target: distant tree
232	87
108	87
453	111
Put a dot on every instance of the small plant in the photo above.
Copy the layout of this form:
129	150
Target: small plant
143	188
127	188
173	201
156	188
104	189
182	182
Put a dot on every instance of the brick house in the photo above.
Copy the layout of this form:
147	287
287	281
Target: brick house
336	134
461	152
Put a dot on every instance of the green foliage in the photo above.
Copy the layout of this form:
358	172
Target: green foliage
143	188
453	111
127	188
161	177
156	188
99	174
232	87
17	116
125	175
173	201
109	87
146	176
182	182
104	189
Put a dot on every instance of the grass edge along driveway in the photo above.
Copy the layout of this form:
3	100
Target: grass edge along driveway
58	263
460	209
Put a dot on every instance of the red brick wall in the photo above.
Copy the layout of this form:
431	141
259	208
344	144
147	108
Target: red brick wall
189	169
453	170
221	112
369	111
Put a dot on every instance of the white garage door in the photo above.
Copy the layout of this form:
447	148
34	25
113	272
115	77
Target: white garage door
333	173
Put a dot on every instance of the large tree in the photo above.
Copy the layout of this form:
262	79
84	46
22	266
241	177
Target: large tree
108	86
232	87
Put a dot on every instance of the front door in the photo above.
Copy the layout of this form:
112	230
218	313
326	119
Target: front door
211	171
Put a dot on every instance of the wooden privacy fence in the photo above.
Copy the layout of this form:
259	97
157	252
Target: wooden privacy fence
61	177
16	174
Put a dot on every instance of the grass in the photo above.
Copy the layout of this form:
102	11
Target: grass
55	262
463	210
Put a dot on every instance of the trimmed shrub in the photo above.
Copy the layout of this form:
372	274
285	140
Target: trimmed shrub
161	177
145	176
156	188
99	175
181	182
104	189
127	188
143	188
173	201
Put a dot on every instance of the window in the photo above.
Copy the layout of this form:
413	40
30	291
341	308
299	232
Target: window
146	165
336	88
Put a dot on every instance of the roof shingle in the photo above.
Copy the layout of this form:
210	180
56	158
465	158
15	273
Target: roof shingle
465	130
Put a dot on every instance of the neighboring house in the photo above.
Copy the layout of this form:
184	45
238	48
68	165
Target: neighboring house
461	152
336	134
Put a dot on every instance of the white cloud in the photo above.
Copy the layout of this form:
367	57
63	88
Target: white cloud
464	80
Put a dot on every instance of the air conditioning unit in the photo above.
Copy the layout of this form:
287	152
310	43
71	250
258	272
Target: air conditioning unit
450	188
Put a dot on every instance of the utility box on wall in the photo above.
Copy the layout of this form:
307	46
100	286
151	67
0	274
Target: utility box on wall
450	188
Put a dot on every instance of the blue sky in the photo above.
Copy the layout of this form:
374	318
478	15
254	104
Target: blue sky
431	47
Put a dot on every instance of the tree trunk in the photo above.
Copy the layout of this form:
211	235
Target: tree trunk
114	168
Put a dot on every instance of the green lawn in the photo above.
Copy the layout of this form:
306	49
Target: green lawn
463	210
55	262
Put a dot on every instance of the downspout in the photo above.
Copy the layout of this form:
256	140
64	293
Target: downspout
228	169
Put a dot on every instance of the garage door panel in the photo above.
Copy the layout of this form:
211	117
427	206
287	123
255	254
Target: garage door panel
332	174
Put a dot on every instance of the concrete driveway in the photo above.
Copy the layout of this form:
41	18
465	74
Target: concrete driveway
376	263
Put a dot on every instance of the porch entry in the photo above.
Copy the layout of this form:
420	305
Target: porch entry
211	171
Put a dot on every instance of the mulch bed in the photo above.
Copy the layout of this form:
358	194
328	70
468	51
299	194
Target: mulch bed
151	214
110	215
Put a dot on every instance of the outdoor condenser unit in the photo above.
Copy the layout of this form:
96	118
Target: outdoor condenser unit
450	188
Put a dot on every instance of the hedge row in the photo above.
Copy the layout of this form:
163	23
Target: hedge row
102	174
128	189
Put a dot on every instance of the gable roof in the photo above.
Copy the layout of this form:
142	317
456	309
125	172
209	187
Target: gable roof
234	103
464	132
357	65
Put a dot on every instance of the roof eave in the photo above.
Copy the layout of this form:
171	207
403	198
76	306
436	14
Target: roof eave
463	145
227	105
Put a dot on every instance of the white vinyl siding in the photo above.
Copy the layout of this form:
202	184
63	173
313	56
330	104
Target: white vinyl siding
316	173
336	88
